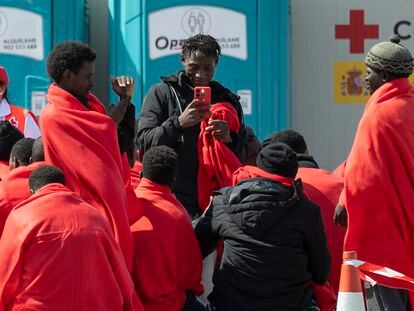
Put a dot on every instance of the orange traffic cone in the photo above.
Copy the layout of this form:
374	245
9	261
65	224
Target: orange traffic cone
350	297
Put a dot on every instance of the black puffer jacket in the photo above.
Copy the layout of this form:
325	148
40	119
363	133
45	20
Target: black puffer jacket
158	125
274	245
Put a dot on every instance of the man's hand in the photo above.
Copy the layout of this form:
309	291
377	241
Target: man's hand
220	130
123	86
340	216
117	112
194	114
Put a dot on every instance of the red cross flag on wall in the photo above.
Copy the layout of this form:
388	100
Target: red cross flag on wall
356	32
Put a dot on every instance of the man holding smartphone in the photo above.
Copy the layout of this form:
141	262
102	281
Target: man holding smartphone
171	116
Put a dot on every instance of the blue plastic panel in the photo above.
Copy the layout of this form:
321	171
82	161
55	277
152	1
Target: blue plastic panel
145	39
28	31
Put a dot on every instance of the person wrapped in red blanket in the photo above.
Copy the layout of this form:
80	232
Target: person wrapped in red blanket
167	257
322	188
379	181
82	140
15	187
58	252
216	162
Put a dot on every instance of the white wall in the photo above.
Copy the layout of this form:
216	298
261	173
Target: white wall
329	128
99	42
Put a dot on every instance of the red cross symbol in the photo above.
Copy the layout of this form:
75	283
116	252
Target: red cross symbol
356	31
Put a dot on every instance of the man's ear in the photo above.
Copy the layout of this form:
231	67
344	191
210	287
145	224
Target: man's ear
13	163
31	160
385	76
67	75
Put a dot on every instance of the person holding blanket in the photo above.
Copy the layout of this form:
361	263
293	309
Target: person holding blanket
378	192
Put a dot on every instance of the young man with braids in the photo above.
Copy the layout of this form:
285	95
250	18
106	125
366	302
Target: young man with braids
170	116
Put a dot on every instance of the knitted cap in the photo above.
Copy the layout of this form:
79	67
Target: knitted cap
390	56
278	158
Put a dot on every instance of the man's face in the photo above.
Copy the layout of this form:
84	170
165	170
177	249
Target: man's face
199	68
373	79
81	83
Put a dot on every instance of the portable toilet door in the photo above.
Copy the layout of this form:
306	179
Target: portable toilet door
147	35
28	30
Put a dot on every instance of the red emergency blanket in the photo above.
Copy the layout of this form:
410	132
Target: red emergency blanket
58	252
379	184
324	189
216	162
14	189
83	143
167	256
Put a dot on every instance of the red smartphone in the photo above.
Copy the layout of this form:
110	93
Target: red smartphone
203	93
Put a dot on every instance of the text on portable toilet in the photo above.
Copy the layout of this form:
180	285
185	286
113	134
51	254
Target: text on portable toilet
168	28
16	37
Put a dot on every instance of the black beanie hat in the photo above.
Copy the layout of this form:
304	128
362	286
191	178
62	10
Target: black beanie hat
9	135
278	158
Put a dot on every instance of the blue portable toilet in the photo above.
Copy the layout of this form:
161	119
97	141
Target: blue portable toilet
28	31
146	38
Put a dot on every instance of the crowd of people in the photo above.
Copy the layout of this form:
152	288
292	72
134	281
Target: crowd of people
100	211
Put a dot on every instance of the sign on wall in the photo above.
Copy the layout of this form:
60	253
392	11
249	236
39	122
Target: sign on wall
330	39
21	33
168	28
348	75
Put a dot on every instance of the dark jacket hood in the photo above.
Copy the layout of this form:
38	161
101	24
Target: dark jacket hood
256	205
305	160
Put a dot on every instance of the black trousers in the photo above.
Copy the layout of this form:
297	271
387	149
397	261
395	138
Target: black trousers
381	298
193	304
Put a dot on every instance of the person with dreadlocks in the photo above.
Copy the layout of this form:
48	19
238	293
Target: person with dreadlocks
171	116
379	182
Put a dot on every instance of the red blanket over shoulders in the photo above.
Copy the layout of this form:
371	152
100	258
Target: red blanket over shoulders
324	189
84	145
167	258
14	189
216	162
136	174
379	182
59	251
340	170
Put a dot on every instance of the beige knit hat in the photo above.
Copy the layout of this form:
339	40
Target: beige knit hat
390	56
